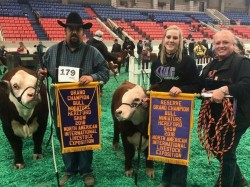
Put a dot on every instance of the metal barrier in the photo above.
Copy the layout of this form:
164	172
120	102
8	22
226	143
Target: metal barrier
201	63
15	59
137	75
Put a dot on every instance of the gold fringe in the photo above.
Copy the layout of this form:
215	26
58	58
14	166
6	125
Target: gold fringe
169	160
81	148
75	85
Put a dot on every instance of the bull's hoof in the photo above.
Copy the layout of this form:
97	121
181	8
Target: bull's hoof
129	173
37	156
18	166
115	146
116	73
150	172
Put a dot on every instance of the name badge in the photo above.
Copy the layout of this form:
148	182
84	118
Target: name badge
68	74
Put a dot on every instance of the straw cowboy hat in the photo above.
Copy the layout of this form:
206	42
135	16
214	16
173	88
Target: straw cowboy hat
74	20
98	35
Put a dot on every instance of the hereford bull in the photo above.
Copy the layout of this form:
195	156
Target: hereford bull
23	113
129	109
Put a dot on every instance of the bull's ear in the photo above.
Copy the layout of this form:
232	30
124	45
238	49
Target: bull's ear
5	86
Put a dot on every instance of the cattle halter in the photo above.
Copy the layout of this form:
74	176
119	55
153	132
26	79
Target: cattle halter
136	105
38	85
133	105
19	99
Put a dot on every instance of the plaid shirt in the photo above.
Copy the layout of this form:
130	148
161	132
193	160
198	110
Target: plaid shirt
94	65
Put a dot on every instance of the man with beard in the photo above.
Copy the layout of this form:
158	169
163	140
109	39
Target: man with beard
75	54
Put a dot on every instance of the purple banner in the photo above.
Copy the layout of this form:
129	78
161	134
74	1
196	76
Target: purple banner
170	130
79	115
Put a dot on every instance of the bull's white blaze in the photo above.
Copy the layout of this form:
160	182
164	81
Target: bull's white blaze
24	80
136	115
24	131
135	140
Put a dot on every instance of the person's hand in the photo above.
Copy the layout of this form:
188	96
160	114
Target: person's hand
174	91
218	95
203	90
119	59
42	73
85	79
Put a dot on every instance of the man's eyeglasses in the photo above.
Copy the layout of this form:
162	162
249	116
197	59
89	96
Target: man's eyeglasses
71	29
174	37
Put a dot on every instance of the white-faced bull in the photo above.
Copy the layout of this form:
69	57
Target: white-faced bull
130	115
23	111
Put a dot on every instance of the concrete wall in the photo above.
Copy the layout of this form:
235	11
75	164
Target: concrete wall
214	4
229	5
90	1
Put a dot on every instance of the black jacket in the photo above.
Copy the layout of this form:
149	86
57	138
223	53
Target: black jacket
183	75
100	46
234	71
116	48
139	47
128	45
191	47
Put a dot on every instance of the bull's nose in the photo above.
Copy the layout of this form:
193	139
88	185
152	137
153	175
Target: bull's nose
118	113
30	94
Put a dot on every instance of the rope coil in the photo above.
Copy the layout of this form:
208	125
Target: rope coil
212	134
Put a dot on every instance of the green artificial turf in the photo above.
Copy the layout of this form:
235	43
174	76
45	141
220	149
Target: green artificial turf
108	165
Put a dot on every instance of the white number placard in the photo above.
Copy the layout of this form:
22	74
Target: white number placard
68	74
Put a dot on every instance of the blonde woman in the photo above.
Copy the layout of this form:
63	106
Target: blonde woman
175	73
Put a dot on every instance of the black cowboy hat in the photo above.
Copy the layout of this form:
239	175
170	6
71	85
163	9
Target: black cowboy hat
74	19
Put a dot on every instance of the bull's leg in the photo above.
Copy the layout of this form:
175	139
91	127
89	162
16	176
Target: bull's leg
116	135
129	150
16	145
38	140
119	66
149	165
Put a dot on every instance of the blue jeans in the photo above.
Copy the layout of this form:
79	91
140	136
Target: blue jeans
75	162
174	175
192	54
78	162
231	173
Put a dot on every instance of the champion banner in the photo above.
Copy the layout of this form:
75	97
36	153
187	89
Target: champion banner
78	116
170	123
